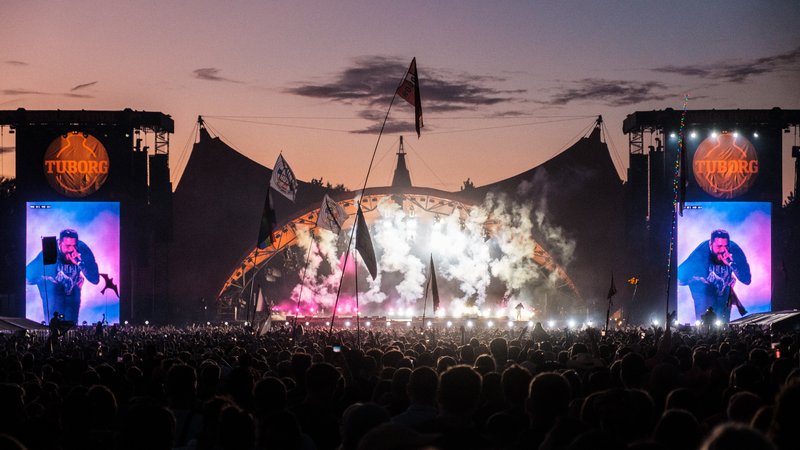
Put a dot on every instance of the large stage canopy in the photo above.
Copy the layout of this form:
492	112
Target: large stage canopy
574	201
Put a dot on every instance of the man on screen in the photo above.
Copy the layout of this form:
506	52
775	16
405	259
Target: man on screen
711	271
60	283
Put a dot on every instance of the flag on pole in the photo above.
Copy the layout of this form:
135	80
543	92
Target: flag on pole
364	244
434	287
331	215
409	90
267	224
613	289
283	179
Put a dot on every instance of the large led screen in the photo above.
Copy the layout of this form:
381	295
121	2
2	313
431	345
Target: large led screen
724	260
72	261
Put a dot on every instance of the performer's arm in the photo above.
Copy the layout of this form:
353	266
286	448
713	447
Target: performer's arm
740	265
88	264
34	270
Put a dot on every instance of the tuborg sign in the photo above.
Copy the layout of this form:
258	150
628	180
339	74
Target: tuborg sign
726	165
76	164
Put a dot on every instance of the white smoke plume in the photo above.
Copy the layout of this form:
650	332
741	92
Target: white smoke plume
471	248
395	234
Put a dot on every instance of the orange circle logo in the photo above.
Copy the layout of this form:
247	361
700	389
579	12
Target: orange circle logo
725	166
76	164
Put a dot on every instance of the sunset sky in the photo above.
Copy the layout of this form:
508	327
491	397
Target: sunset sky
505	85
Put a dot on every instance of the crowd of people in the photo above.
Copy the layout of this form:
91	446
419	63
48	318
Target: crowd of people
231	387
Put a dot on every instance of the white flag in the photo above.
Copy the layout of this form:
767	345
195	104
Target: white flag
283	179
331	215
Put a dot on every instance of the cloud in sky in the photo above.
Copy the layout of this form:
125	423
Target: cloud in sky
211	74
371	81
13	62
83	86
610	92
738	72
33	92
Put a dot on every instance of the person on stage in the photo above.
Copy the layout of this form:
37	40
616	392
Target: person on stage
60	283
711	271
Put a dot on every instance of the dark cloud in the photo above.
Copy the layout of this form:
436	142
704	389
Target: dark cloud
32	92
16	63
610	92
738	72
71	95
22	92
371	81
211	74
83	86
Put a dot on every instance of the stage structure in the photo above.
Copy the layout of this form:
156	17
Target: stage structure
570	205
733	182
91	193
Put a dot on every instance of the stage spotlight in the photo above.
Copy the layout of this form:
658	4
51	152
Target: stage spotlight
126	322
449	324
673	135
391	312
755	134
718	324
713	134
388	323
470	324
551	323
697	323
408	324
510	324
369	324
571	323
675	323
530	323
208	323
655	322
327	324
430	323
247	324
347	324
693	135
490	324
308	323
588	323
736	134
147	322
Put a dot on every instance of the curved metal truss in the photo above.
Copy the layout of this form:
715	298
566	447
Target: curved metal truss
431	201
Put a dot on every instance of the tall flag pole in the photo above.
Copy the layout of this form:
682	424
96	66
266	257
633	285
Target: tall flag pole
418	113
678	198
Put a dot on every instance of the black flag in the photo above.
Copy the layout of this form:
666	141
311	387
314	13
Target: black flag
364	245
267	223
613	289
434	287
